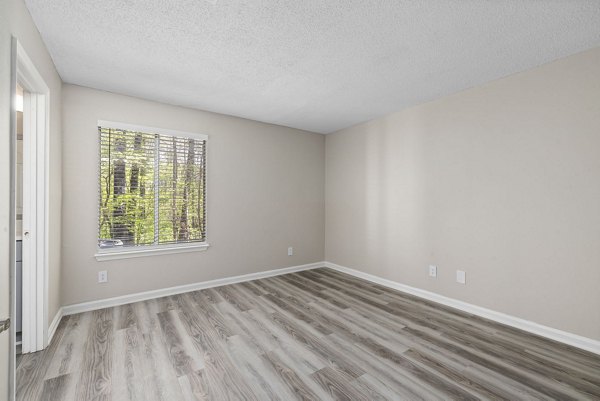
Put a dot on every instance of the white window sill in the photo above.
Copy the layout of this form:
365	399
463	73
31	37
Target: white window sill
137	252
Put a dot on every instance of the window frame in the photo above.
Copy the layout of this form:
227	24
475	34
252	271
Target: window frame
155	249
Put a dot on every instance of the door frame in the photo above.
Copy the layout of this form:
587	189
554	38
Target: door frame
36	124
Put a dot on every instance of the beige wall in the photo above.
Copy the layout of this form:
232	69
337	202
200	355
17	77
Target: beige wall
16	21
265	193
502	181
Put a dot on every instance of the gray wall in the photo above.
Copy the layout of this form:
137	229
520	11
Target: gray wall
265	193
16	21
502	181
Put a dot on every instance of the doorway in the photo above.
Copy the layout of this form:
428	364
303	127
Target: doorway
30	205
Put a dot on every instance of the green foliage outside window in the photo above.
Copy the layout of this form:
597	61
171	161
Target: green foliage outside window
152	188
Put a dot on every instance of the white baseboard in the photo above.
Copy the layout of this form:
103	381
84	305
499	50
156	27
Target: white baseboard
575	340
54	324
143	296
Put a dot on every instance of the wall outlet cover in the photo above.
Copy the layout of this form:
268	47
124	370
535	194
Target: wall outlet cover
432	271
290	251
103	276
461	277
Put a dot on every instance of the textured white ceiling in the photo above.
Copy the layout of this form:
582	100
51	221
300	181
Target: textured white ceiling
319	65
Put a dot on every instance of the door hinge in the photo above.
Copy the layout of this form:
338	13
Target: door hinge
4	325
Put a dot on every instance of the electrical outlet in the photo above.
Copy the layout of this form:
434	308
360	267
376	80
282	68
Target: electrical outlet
461	277
432	271
290	251
103	276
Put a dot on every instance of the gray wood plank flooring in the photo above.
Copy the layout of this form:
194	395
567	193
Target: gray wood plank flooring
313	335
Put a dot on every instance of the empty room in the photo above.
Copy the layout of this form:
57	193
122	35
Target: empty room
299	200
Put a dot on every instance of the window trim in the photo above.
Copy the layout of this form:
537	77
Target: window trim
150	130
129	252
149	250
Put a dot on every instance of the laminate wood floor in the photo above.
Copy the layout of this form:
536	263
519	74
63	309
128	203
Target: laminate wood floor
313	335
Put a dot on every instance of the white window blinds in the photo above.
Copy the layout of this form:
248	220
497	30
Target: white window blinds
152	188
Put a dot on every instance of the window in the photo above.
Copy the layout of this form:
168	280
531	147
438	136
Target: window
152	190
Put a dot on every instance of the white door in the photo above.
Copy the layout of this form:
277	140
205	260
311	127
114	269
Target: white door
32	294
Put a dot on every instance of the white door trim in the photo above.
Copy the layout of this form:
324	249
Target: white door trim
12	217
35	203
